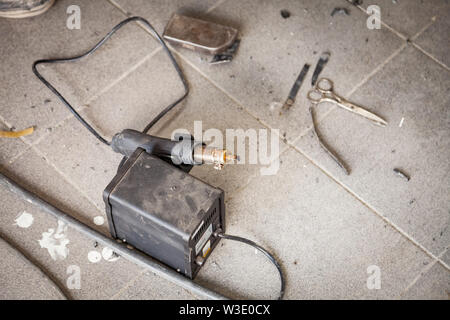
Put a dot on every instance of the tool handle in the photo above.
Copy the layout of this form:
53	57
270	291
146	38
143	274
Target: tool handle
127	141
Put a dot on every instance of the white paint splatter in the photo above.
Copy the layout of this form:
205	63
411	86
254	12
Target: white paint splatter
25	220
56	242
99	220
94	256
401	122
109	255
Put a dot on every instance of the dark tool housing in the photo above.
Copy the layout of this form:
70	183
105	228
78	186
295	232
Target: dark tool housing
164	211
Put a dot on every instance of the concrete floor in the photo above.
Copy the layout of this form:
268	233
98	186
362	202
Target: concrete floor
326	228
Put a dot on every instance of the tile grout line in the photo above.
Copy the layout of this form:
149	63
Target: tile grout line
42	155
391	29
413	38
421	31
442	262
19	155
362	201
141	274
418	47
99	94
377	69
118	7
250	180
389	222
424	271
417	278
34	145
75	186
11	160
126	286
223	90
85	105
122	76
429	55
405	38
237	102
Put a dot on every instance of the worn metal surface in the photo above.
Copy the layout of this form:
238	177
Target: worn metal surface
295	88
323	60
199	35
227	55
324	92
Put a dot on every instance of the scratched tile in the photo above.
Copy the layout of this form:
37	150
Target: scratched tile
25	100
273	50
414	88
324	237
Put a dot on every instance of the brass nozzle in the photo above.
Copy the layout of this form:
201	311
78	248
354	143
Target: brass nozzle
217	157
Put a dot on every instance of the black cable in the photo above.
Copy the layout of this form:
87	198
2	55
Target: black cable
97	46
264	251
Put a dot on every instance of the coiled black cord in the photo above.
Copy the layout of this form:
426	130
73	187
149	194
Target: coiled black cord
97	46
264	251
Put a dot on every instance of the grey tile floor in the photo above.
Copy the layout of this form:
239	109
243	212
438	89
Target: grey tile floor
326	228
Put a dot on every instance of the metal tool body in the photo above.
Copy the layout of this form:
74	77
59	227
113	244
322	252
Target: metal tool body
295	89
323	60
203	36
324	92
